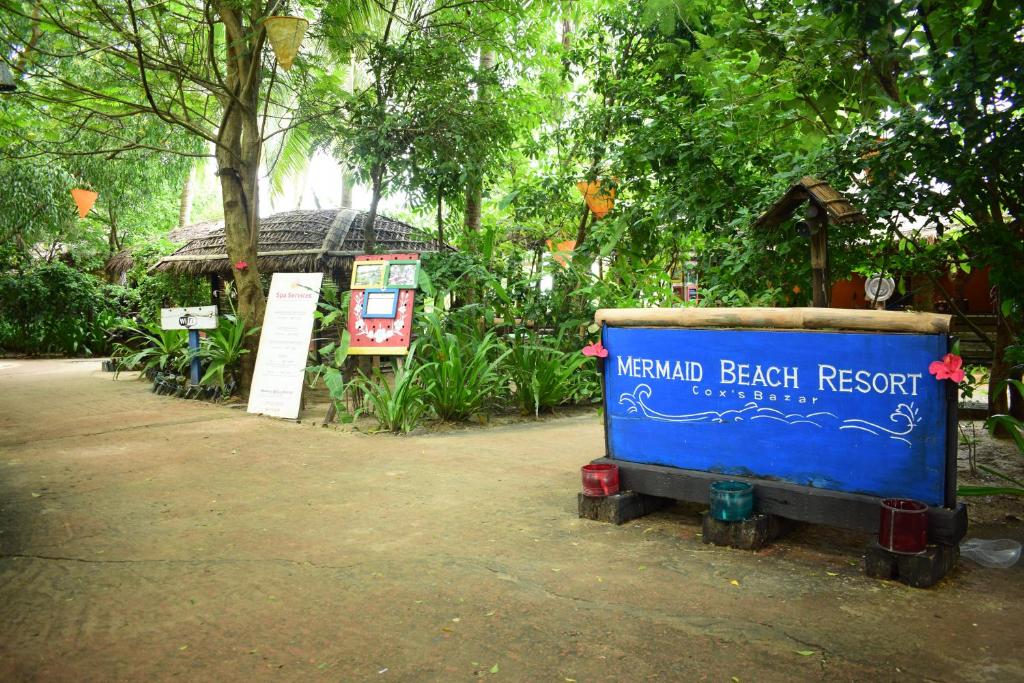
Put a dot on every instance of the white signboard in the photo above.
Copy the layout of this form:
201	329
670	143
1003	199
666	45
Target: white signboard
284	344
191	318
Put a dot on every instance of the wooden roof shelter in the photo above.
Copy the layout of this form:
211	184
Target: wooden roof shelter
122	261
323	240
824	206
818	192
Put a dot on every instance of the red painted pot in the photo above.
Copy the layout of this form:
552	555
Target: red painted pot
904	525
600	479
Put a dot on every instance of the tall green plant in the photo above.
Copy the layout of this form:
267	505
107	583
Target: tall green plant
398	406
330	363
544	376
151	349
462	376
1015	428
53	308
222	350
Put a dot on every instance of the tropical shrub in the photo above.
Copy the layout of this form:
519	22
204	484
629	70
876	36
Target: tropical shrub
53	308
157	289
398	406
462	375
222	349
544	376
151	349
1015	428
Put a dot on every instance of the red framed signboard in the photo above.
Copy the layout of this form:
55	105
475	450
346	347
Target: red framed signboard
380	308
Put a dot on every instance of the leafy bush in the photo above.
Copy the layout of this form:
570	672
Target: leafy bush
1015	428
53	308
153	291
151	349
399	406
461	376
222	350
544	376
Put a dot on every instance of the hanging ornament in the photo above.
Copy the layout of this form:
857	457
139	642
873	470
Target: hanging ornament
599	200
285	35
84	199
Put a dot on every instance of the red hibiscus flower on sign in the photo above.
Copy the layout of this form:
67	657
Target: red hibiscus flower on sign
950	367
241	265
596	350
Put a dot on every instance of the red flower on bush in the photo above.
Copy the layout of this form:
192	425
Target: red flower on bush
950	367
596	350
241	265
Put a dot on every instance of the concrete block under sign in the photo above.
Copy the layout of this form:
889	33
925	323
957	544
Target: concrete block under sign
620	507
920	570
750	534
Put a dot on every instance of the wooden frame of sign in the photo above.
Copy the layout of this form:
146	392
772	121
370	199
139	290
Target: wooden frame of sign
362	274
398	274
795	401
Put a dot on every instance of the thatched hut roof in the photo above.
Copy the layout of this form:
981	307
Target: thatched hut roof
298	241
122	261
837	207
187	233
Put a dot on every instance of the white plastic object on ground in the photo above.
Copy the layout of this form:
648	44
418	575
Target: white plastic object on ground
1000	553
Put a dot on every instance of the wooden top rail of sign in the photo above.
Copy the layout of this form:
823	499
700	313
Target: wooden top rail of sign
778	319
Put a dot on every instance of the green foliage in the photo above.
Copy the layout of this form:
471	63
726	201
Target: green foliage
1015	428
53	308
154	291
329	366
462	375
150	349
222	349
398	405
35	207
545	376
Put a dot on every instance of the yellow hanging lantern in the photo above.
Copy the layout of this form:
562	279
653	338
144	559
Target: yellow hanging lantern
285	35
599	200
84	199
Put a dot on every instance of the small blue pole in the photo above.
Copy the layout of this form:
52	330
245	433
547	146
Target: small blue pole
193	346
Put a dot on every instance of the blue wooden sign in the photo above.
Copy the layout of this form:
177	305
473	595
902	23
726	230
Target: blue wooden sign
850	412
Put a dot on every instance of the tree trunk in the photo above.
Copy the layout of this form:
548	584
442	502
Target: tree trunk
440	218
997	403
581	232
238	162
475	177
369	227
113	239
185	206
1016	398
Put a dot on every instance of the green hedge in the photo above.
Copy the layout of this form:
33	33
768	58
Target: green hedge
52	308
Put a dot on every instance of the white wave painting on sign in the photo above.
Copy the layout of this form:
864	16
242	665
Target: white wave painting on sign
905	417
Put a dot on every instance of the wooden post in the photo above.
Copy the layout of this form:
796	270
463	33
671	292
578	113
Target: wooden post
777	319
214	289
193	347
818	222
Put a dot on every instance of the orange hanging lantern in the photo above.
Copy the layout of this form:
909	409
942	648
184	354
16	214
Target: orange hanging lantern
285	35
562	251
84	199
599	200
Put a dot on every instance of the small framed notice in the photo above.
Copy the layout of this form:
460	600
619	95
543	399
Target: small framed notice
402	274
380	303
368	274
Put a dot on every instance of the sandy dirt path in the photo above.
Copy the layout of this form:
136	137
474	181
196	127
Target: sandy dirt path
148	538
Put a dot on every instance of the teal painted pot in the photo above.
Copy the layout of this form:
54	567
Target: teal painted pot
731	501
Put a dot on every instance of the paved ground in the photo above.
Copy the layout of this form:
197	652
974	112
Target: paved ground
149	538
